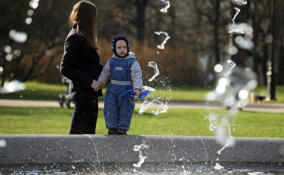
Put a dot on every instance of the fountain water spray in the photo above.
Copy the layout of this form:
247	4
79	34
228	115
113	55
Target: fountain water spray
12	86
233	84
3	143
162	45
19	37
239	2
168	5
142	158
154	65
160	103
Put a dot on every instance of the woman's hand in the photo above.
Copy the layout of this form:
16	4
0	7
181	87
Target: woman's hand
96	86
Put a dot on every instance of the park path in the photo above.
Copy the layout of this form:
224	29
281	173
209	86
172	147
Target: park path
276	108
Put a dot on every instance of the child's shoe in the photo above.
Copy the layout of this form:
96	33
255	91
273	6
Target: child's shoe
112	131
121	132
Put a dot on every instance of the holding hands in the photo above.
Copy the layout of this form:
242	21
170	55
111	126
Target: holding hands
96	86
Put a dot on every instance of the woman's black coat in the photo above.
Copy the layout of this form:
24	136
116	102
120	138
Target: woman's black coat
80	64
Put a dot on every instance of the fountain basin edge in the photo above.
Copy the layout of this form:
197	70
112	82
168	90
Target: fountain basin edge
93	149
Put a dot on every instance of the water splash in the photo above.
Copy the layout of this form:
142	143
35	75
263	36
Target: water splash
142	158
162	106
162	45
154	65
97	155
147	88
145	105
34	4
158	105
213	121
241	28
244	42
218	167
236	14
222	149
232	50
3	143
18	36
7	49
232	64
168	5
30	12
233	87
28	20
12	86
232	83
239	2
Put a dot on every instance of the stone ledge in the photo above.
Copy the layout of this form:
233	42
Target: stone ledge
91	149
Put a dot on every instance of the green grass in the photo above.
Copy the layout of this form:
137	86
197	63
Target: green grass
189	122
41	91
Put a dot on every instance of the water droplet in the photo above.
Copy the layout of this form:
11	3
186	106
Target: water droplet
17	52
243	94
7	49
28	20
218	68
239	2
3	143
9	57
232	64
13	86
154	65
18	36
162	45
30	12
168	5
211	96
218	167
232	50
244	42
34	4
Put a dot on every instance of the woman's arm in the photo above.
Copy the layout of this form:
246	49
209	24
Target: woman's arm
70	60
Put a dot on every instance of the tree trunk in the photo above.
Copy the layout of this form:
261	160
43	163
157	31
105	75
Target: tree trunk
216	30
141	6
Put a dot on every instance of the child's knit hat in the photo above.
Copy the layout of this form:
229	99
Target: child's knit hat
115	39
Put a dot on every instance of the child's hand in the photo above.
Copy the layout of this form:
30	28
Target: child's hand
96	86
137	91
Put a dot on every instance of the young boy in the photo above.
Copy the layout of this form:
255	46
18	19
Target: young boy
124	73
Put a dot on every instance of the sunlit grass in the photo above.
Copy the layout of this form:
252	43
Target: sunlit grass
40	91
188	122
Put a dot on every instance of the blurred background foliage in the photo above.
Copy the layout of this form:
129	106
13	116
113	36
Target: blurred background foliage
198	31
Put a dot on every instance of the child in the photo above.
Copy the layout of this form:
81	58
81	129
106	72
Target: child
124	73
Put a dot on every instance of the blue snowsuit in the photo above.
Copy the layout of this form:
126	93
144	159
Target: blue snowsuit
124	73
118	110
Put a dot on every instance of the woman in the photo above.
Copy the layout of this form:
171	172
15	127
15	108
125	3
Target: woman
80	63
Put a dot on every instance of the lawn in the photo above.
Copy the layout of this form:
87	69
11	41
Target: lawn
189	122
41	91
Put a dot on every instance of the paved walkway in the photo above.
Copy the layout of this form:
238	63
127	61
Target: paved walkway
277	108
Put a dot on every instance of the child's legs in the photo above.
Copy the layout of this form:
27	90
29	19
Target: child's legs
111	110
126	108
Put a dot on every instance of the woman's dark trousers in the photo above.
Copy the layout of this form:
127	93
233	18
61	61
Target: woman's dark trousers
84	117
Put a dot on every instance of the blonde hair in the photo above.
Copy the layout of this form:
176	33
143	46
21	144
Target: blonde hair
84	15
